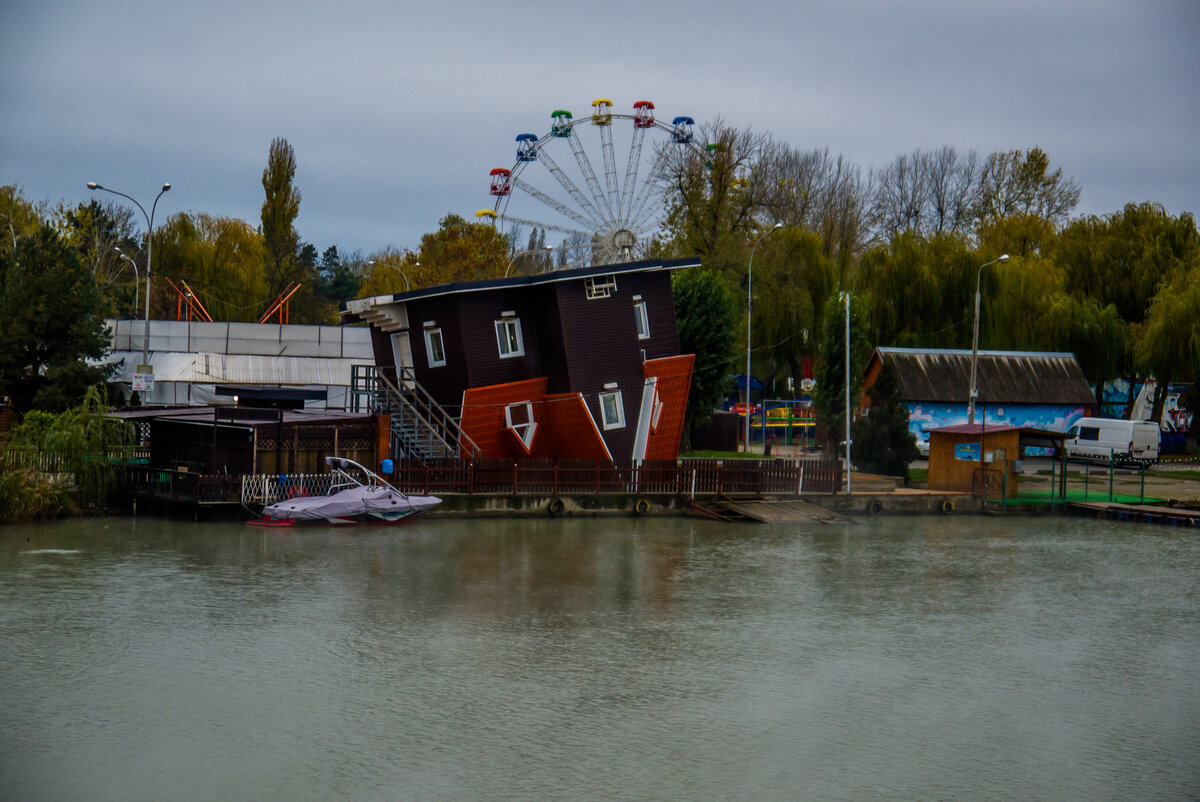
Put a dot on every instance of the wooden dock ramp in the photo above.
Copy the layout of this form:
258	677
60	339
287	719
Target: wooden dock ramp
770	511
1176	516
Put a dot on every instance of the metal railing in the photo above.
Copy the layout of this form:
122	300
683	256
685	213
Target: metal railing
691	478
421	427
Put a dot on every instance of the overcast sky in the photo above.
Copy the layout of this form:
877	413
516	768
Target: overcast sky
398	110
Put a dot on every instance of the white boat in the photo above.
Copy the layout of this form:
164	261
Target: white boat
349	501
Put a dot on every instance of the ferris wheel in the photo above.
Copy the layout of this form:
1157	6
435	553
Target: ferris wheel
569	181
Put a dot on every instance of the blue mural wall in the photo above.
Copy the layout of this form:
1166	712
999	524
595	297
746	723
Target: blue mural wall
923	417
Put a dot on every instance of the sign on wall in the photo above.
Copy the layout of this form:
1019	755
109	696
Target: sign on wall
967	451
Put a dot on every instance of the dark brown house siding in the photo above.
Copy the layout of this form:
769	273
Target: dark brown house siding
579	344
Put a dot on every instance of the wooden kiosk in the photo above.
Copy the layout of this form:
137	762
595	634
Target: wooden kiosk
984	460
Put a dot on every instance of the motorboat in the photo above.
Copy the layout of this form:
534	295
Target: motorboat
349	500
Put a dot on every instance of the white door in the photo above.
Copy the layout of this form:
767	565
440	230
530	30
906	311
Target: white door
402	355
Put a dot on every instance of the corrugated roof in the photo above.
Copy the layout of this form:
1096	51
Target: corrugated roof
1003	377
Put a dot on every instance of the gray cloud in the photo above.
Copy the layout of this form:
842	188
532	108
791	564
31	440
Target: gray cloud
397	111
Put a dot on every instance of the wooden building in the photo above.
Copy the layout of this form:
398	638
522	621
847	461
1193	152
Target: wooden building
1038	390
235	441
579	363
984	459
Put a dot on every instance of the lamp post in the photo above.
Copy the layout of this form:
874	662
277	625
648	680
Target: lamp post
136	276
92	185
975	338
846	298
549	249
749	306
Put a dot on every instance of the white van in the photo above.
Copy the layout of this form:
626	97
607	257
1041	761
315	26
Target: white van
1125	441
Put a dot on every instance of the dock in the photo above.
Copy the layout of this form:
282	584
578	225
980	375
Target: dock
1172	516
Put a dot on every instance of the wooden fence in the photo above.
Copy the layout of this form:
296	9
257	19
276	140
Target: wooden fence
27	458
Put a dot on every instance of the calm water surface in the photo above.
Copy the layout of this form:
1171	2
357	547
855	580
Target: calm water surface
901	658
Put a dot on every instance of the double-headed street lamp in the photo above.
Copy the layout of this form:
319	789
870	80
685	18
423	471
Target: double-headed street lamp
136	277
975	338
92	185
749	305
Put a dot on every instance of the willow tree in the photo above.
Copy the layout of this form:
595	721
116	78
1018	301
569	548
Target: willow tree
919	292
220	258
1168	344
792	279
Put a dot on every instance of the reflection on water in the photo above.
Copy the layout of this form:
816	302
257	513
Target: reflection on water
923	658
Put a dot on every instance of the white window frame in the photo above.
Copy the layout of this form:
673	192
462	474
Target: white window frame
503	341
432	332
619	407
523	431
641	318
600	286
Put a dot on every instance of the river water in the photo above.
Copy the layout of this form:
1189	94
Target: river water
949	658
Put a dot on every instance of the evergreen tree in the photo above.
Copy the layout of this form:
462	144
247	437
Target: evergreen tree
882	441
49	324
708	318
829	396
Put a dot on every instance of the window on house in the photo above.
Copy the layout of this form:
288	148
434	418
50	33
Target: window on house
600	286
612	410
508	337
656	411
518	418
435	349
639	314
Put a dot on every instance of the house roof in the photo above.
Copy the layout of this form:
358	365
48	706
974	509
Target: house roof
1003	377
351	310
1028	435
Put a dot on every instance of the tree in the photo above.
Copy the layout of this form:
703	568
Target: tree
1169	341
829	396
708	316
792	279
459	251
388	271
1018	184
221	258
49	324
279	211
336	280
883	442
82	438
715	200
918	292
95	230
18	218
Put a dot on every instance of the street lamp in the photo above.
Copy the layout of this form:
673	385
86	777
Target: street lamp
92	185
749	303
136	277
549	249
975	338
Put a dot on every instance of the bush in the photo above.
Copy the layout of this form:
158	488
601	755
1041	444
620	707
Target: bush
26	495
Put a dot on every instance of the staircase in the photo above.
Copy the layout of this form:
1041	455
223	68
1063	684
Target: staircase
420	427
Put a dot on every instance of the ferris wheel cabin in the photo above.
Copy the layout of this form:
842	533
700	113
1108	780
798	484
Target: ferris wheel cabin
602	111
526	148
561	123
501	182
643	114
683	129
